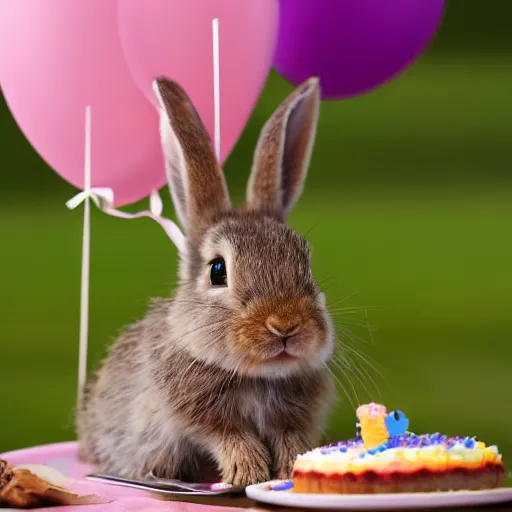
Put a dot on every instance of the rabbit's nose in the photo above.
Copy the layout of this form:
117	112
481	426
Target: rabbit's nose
283	326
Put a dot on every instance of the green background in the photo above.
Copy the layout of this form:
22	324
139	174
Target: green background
408	209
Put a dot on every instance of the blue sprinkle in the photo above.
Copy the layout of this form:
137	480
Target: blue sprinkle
343	449
392	442
373	451
469	443
382	447
282	486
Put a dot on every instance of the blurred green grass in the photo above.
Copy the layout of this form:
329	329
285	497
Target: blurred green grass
408	210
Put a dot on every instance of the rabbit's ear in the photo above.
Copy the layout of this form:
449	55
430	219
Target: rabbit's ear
195	179
283	152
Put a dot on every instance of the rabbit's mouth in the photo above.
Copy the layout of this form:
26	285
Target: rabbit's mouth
276	361
283	357
283	363
284	352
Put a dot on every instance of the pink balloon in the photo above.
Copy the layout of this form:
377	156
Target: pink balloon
174	38
56	57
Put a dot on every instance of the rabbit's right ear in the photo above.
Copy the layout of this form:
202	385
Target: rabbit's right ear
196	181
283	152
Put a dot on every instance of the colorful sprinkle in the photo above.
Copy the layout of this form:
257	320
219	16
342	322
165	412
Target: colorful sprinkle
282	486
378	431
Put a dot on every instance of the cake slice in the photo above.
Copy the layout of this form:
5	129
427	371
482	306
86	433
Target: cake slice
386	458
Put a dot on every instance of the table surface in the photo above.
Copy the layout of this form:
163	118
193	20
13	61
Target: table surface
62	457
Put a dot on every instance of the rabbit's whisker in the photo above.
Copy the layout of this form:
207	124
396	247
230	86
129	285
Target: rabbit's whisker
344	366
179	282
342	322
365	374
343	370
341	386
343	299
351	336
200	327
195	361
350	295
369	327
227	381
365	358
362	373
310	230
200	303
323	281
353	309
346	355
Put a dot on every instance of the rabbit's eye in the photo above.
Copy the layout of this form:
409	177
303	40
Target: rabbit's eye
218	275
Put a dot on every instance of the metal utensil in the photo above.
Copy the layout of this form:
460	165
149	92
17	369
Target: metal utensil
167	486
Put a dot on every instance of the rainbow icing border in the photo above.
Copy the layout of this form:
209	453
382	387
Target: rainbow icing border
405	454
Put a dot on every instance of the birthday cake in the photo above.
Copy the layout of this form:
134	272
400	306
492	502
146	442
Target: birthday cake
385	457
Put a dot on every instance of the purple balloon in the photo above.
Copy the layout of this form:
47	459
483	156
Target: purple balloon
353	46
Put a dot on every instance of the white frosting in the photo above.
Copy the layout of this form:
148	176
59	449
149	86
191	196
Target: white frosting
458	451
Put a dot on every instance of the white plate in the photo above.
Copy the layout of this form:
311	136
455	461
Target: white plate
263	494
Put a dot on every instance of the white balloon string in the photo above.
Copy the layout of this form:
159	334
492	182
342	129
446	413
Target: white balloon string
216	86
86	241
103	198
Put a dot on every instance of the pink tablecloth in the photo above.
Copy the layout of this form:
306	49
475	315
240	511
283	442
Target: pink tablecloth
63	458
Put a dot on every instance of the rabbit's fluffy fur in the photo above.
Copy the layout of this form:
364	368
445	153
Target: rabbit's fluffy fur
225	381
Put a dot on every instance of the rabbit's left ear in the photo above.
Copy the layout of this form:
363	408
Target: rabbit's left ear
283	152
195	179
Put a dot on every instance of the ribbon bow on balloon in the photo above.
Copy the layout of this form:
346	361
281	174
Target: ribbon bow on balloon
103	198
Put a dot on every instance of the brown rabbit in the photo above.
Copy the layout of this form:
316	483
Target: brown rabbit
229	378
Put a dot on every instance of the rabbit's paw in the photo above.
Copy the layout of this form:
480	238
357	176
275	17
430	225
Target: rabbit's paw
282	470
286	450
246	463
